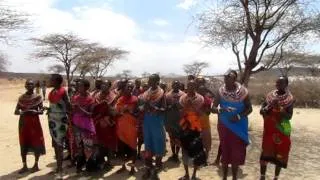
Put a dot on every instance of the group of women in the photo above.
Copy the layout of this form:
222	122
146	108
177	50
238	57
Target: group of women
114	120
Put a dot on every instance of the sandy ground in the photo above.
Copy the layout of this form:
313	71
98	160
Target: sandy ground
304	162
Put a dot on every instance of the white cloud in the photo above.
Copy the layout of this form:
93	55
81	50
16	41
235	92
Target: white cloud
186	4
161	53
160	22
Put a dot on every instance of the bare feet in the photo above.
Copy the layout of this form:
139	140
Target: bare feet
24	169
147	174
154	175
194	178
132	171
35	168
216	163
139	157
185	177
108	166
67	158
122	169
59	176
159	166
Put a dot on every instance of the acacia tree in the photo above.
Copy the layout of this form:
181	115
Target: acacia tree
125	74
145	74
97	61
66	49
195	68
312	62
290	59
57	68
11	20
253	28
3	62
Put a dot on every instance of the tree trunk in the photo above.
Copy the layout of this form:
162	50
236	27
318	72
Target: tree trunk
245	76
68	77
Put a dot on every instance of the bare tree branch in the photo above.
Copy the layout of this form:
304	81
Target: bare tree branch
258	27
57	68
64	48
195	68
11	20
3	62
99	59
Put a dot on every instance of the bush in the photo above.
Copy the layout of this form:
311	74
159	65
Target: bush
305	91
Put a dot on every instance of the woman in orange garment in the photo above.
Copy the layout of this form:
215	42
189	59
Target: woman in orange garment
126	107
191	141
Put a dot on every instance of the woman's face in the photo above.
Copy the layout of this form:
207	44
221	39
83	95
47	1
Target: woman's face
52	82
176	86
191	87
202	90
145	86
29	85
105	87
128	89
230	79
281	84
82	88
152	82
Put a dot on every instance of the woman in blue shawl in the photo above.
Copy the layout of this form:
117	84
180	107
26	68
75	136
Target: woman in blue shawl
154	106
235	106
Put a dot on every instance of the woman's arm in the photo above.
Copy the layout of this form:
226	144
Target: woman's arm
287	112
248	107
87	112
66	100
40	108
163	106
264	108
17	110
215	104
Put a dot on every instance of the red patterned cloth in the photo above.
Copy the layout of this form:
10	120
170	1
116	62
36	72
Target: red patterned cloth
30	131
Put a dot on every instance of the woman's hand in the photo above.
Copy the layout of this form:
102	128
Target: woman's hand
17	112
227	109
235	118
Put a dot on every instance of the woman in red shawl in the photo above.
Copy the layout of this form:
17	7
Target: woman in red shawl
31	139
83	127
104	123
126	107
276	111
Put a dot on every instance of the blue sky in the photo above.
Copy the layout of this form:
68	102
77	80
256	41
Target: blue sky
160	35
143	12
